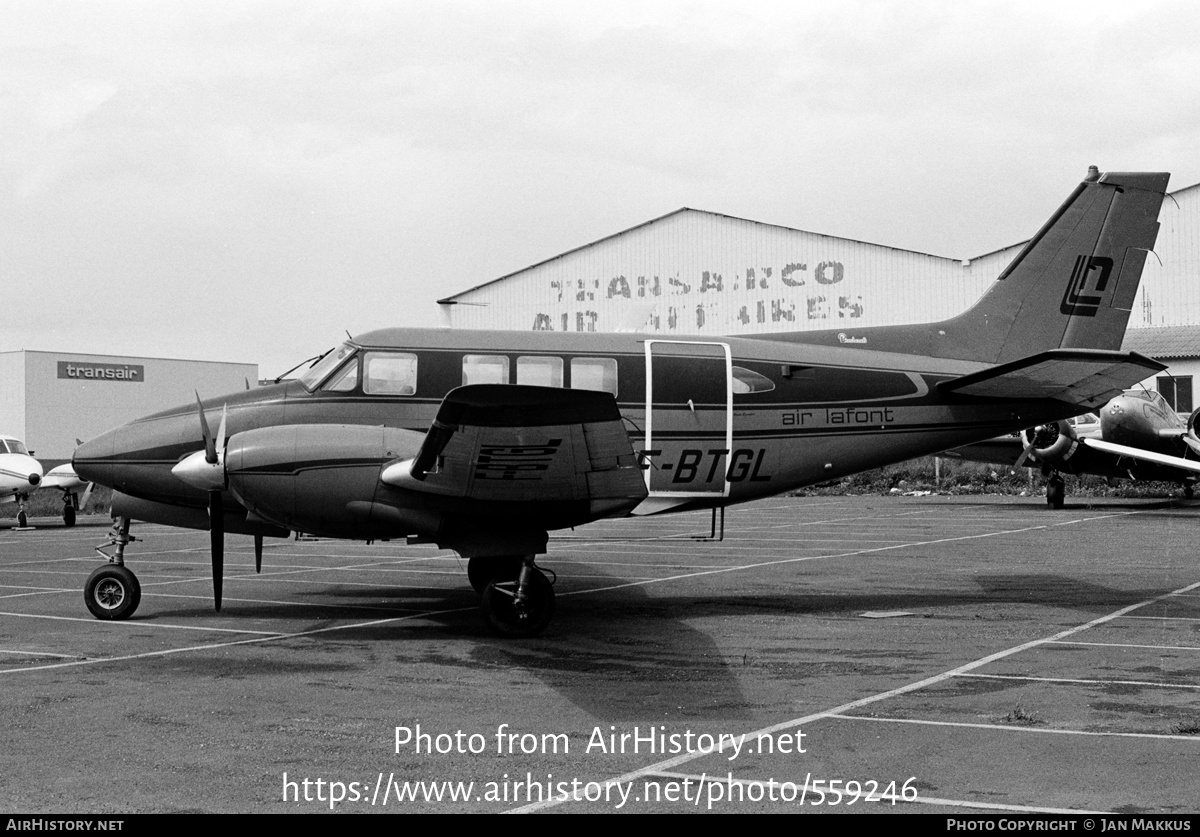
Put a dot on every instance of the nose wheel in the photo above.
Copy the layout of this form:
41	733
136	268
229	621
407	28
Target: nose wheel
112	593
520	606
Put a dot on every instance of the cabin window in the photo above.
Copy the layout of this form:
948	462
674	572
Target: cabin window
344	380
484	369
595	373
746	380
390	373
540	371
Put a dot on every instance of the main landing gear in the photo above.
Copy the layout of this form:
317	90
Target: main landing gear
1056	490
112	592
515	597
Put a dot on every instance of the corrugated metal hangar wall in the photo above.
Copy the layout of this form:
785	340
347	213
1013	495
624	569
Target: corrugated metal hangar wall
696	272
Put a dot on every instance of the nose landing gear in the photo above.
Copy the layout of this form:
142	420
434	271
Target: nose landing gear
112	592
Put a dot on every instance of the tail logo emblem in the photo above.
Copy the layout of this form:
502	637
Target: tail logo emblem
1076	302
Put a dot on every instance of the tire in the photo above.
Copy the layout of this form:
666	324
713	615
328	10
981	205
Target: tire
112	593
482	570
498	605
22	520
1056	492
69	515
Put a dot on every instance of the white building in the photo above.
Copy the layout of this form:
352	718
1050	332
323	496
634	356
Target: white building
50	399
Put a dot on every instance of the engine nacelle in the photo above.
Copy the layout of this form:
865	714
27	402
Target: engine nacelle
322	478
1052	444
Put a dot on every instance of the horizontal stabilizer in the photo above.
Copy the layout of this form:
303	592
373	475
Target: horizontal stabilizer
1144	455
1078	376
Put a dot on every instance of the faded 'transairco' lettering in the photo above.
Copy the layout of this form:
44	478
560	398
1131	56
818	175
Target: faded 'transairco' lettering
797	295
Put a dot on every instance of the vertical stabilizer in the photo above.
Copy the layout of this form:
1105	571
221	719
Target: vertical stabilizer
1072	286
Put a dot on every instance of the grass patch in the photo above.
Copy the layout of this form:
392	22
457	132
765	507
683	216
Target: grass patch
960	477
1022	717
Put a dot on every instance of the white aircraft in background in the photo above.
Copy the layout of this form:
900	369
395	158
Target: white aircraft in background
21	475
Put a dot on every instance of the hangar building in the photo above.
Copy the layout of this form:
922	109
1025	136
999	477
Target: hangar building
698	272
50	399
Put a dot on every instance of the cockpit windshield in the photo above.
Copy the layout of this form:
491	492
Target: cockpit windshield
12	446
331	360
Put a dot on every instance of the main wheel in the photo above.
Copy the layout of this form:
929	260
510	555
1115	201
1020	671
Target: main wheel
482	570
1056	492
508	618
22	520
112	592
69	515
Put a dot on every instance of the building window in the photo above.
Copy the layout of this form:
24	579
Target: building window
1177	391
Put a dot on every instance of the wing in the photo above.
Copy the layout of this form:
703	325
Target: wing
505	443
1144	455
1078	376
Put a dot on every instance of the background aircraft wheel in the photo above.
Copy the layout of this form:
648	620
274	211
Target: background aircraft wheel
502	614
1188	491
22	520
69	515
482	570
1056	492
112	592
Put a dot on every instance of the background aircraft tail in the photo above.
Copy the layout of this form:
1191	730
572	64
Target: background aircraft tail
1071	287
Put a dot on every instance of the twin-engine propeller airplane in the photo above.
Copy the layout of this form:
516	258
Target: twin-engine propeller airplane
484	442
21	475
1134	436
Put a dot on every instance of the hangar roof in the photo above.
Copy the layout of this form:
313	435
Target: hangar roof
1164	341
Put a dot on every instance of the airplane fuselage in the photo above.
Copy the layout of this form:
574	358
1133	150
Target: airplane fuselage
712	421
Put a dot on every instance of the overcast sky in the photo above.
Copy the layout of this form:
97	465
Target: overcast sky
246	181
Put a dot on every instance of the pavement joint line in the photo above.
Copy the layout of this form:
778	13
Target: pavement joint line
1082	681
1131	645
305	605
958	671
167	652
1168	618
40	654
136	624
883	797
1016	728
850	554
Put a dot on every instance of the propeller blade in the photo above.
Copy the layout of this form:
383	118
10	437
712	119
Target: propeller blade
1024	455
258	553
210	446
216	536
220	444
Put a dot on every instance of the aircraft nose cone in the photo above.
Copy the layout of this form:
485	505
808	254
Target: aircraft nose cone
34	479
